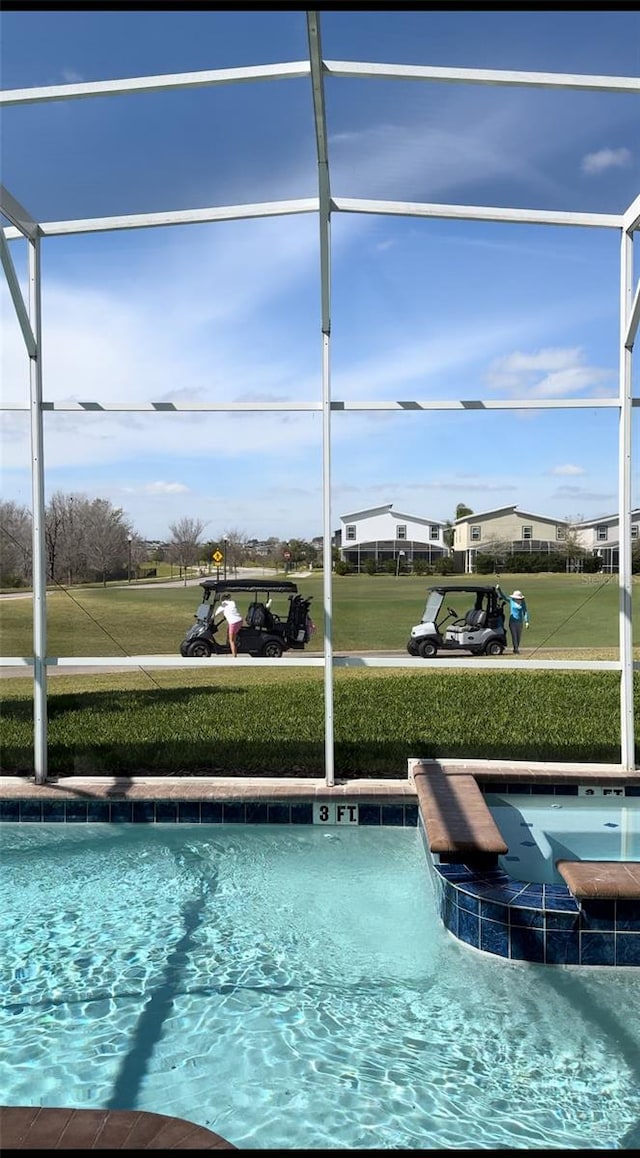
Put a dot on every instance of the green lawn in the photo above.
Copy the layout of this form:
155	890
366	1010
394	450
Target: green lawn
270	721
371	613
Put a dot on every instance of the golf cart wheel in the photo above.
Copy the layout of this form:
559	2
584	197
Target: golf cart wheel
272	649
494	647
412	647
427	649
183	649
199	649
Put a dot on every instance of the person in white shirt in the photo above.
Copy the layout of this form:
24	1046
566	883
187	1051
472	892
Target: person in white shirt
234	620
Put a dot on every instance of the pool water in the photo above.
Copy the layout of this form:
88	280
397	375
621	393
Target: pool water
294	988
540	830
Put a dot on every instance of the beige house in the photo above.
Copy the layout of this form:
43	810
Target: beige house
505	530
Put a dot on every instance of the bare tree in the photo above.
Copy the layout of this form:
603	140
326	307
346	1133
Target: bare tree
234	544
15	545
107	534
84	536
185	546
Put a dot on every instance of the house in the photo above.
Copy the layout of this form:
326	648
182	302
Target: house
504	531
602	536
382	534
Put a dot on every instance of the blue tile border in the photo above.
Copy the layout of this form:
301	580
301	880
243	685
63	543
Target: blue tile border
397	815
544	924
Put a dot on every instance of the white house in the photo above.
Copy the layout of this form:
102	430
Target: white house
602	536
383	534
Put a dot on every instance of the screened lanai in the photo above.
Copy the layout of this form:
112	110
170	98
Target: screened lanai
271	267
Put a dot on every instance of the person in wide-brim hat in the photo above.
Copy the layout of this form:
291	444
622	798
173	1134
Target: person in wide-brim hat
518	616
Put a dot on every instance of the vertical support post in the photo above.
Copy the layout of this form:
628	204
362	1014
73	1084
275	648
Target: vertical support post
38	522
327	572
627	738
324	200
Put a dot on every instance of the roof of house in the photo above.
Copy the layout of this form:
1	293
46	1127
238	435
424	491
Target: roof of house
387	510
475	516
603	519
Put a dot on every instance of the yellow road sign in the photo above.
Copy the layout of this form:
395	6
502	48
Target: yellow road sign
217	557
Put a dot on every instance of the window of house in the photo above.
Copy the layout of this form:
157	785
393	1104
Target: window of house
475	534
434	532
634	531
602	533
560	534
351	532
527	532
402	530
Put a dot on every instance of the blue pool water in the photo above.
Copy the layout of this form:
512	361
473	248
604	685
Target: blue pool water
290	987
540	830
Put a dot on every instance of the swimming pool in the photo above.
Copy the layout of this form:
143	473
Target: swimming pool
293	987
540	830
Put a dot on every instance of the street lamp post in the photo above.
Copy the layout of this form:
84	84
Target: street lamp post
400	556
225	542
129	541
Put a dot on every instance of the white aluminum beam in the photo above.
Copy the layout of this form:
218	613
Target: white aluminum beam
173	217
488	76
625	577
16	296
476	212
324	191
162	83
634	318
170	662
361	406
39	567
18	215
631	219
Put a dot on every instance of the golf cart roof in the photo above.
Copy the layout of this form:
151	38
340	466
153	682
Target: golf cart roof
468	587
270	585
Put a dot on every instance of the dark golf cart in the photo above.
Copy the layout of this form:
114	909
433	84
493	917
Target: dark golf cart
263	632
479	630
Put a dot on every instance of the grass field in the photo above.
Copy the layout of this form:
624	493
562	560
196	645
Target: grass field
270	720
371	613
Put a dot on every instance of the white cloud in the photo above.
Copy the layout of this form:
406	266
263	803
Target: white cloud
550	373
605	159
158	488
568	469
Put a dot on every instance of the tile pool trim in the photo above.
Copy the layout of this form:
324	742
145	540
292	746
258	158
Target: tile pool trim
151	811
544	924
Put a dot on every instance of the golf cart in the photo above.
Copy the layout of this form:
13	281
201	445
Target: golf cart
263	632
480	630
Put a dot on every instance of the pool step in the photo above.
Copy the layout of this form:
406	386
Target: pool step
456	817
603	880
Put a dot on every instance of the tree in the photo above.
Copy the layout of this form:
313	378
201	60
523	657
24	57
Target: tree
571	549
185	547
15	545
497	550
106	537
448	534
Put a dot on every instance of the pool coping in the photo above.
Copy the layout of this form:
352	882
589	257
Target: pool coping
238	788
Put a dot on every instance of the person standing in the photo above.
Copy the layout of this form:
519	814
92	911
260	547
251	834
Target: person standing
518	616
229	609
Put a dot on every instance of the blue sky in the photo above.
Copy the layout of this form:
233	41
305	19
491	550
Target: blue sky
421	308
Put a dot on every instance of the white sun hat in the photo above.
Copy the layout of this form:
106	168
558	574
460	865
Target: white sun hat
517	595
